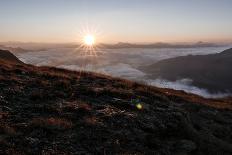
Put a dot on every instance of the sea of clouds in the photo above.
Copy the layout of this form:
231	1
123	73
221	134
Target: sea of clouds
122	63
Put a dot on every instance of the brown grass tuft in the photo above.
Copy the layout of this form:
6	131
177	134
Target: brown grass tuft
7	130
52	123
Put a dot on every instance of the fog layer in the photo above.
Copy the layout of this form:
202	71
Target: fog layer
124	63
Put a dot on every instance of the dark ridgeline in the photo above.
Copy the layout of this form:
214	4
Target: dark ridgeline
9	57
212	72
45	110
158	45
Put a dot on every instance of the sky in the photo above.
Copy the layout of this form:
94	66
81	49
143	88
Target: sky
112	21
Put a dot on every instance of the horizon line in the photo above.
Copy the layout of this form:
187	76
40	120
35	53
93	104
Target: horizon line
115	43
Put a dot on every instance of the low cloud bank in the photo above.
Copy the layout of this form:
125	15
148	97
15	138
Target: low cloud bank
185	85
121	63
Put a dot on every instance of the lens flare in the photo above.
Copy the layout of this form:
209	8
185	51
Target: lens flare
139	106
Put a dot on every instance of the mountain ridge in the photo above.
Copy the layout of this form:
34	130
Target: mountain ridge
211	72
6	55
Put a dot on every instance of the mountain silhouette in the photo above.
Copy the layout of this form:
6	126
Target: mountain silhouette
211	72
8	56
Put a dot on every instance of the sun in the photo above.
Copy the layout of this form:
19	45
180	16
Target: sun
89	40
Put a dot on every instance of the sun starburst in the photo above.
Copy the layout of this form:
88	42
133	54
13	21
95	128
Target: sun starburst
89	48
89	40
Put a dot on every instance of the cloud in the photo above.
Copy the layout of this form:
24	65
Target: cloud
119	62
185	85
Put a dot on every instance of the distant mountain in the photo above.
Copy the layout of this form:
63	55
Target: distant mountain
212	72
159	45
8	56
45	110
14	49
25	47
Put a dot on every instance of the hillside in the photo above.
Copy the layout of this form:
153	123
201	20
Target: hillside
9	57
211	72
46	110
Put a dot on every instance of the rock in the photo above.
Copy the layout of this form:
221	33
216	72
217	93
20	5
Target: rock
185	146
32	141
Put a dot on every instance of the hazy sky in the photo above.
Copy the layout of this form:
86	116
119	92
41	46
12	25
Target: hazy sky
116	20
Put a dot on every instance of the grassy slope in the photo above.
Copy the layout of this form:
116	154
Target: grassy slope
46	110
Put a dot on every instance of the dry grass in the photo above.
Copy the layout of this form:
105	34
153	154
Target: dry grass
7	130
76	106
51	123
64	108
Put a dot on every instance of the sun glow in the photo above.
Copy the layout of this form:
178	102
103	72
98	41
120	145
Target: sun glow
89	40
89	46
